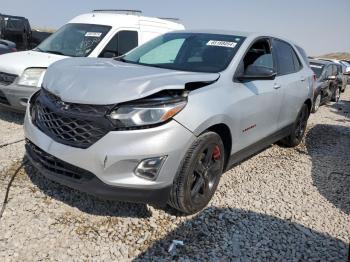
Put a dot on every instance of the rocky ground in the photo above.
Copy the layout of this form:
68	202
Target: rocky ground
282	204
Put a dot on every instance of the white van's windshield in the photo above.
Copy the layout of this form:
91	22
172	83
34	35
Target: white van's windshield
76	40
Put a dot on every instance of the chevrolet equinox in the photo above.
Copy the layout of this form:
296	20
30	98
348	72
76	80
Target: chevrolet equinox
163	122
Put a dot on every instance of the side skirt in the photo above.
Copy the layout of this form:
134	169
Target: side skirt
258	146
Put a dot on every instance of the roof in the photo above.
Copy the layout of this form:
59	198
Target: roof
318	61
219	32
120	19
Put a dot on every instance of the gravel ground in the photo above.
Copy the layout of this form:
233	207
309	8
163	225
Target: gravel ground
281	204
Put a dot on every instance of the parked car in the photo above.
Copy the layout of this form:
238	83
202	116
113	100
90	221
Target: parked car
161	123
102	33
344	69
38	37
327	87
7	47
16	29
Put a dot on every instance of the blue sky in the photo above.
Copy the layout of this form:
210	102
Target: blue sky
320	26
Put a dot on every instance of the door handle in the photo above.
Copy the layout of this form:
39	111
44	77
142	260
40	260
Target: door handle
276	86
303	78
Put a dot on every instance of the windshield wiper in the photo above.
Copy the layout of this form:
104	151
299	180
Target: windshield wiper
38	49
54	52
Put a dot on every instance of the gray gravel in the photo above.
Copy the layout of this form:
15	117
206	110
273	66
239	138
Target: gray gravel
282	204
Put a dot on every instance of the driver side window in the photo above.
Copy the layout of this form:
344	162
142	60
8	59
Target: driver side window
258	56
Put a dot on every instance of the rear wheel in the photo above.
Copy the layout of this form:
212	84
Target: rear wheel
316	104
199	174
336	95
299	128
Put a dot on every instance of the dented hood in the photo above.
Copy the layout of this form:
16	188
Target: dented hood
107	81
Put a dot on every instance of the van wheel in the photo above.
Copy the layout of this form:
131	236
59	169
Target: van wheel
199	174
299	128
336	95
316	104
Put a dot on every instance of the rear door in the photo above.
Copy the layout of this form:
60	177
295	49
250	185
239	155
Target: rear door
292	81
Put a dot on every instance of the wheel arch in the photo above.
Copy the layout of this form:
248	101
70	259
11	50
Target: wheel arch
225	134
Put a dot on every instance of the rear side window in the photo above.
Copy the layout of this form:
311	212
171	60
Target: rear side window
120	44
303	54
287	60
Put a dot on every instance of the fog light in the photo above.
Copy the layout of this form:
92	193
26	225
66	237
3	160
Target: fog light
149	168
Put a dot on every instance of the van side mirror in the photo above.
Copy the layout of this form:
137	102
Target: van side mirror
108	54
331	78
257	73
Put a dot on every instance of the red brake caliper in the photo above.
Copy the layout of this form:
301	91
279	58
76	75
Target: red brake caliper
217	153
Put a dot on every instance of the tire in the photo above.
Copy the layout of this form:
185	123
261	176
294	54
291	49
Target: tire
336	95
199	174
316	104
299	128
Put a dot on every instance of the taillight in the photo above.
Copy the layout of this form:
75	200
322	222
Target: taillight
14	49
315	78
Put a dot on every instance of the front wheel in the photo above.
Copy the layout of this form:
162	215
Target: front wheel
199	174
299	128
317	103
336	95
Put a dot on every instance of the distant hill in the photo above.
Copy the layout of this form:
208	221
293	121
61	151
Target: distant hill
340	56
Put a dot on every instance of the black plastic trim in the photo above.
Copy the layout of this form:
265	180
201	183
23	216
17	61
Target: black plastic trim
258	146
94	186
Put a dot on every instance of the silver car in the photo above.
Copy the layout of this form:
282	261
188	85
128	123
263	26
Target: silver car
163	122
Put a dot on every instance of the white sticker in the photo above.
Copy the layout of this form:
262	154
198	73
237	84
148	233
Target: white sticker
222	43
316	66
93	34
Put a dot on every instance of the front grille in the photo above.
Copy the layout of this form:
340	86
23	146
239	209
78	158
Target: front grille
7	79
3	99
55	165
76	125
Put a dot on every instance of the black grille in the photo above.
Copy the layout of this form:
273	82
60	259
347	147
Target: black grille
7	79
76	125
3	99
55	165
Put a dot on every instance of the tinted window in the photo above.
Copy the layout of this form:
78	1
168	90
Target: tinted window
297	64
317	68
196	52
303	54
284	56
328	71
121	43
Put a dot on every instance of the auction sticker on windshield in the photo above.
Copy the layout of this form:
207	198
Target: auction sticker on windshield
222	43
93	34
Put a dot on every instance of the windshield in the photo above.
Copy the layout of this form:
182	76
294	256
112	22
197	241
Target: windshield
196	52
317	68
77	40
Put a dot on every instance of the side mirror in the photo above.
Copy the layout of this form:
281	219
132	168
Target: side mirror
257	73
331	77
108	54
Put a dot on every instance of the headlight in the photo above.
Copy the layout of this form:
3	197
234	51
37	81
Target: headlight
32	77
145	115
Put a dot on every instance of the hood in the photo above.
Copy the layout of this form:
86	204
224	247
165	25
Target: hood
15	63
106	81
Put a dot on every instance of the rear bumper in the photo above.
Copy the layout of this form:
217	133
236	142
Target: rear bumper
92	185
15	97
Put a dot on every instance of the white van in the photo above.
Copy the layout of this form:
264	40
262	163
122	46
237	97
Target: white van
101	33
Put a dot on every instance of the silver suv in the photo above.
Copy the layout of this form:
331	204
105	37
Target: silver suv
163	122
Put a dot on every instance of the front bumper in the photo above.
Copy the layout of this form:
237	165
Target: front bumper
113	159
15	97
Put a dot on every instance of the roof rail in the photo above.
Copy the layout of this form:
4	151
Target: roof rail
170	18
127	11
